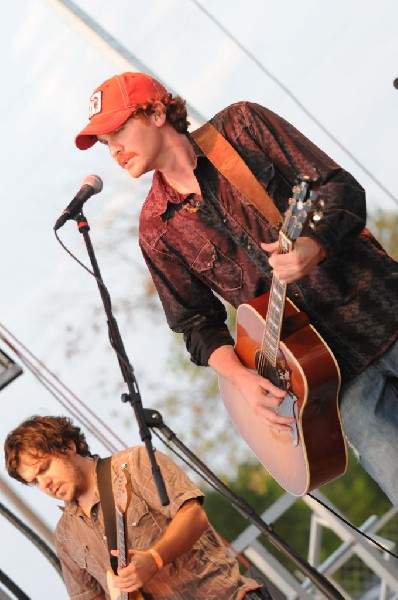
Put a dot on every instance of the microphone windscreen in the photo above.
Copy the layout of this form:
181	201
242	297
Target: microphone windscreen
95	181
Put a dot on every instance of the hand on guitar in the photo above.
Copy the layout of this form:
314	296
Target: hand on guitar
260	394
141	568
307	253
263	398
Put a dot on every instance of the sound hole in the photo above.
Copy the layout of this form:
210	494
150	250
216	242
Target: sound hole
265	369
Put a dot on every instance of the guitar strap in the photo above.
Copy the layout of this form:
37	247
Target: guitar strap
104	481
228	162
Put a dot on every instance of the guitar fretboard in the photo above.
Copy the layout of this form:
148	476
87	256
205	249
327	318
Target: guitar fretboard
121	545
296	215
273	322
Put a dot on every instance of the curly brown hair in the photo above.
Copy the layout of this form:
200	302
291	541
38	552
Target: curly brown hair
40	436
176	111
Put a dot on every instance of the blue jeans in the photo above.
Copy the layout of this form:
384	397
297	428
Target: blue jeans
369	413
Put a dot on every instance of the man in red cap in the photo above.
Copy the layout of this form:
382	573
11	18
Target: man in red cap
201	238
156	119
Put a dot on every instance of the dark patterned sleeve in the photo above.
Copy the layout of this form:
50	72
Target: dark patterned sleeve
277	153
190	306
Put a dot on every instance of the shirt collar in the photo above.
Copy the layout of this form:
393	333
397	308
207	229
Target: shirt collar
161	193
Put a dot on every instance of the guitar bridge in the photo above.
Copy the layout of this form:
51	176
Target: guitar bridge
288	408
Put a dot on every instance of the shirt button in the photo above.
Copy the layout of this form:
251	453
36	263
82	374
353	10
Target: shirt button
249	246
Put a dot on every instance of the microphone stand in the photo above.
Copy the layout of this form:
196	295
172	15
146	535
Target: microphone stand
133	396
148	418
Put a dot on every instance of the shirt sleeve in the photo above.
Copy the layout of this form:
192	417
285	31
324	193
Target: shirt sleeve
190	306
178	485
253	128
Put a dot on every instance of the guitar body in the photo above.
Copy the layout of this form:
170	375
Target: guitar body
315	452
116	594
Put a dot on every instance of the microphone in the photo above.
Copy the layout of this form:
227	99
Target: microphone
395	83
91	185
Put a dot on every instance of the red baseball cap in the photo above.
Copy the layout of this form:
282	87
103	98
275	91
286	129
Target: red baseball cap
113	102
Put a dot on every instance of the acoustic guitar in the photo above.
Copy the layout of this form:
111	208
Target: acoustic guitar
121	502
275	339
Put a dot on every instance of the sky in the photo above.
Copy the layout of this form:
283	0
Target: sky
328	67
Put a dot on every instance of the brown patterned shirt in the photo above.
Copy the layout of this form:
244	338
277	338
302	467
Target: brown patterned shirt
351	297
205	572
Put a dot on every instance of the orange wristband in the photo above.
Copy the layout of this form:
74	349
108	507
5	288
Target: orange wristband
157	557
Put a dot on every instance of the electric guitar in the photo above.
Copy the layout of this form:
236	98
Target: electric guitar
275	339
121	502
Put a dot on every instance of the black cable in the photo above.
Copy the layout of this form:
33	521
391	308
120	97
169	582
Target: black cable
10	585
123	361
295	99
208	481
33	537
343	520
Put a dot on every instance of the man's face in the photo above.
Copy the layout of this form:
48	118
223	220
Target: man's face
58	476
137	145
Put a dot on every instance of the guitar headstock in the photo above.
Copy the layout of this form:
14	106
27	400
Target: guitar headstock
303	204
122	489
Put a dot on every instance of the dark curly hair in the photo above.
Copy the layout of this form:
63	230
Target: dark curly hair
176	111
39	436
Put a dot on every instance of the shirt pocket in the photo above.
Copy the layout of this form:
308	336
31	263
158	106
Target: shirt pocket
212	265
143	529
86	558
80	556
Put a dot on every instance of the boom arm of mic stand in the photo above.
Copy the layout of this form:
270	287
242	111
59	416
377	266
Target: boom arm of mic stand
133	397
154	420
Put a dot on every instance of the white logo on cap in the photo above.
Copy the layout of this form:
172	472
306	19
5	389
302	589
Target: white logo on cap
95	104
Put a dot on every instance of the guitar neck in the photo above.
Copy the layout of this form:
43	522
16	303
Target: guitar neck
121	503
121	537
274	318
121	546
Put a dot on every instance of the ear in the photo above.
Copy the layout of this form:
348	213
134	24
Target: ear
72	447
159	114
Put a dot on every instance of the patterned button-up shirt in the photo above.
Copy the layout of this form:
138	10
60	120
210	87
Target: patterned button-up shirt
351	297
205	572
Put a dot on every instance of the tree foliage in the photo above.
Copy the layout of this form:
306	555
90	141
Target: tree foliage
384	225
355	495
